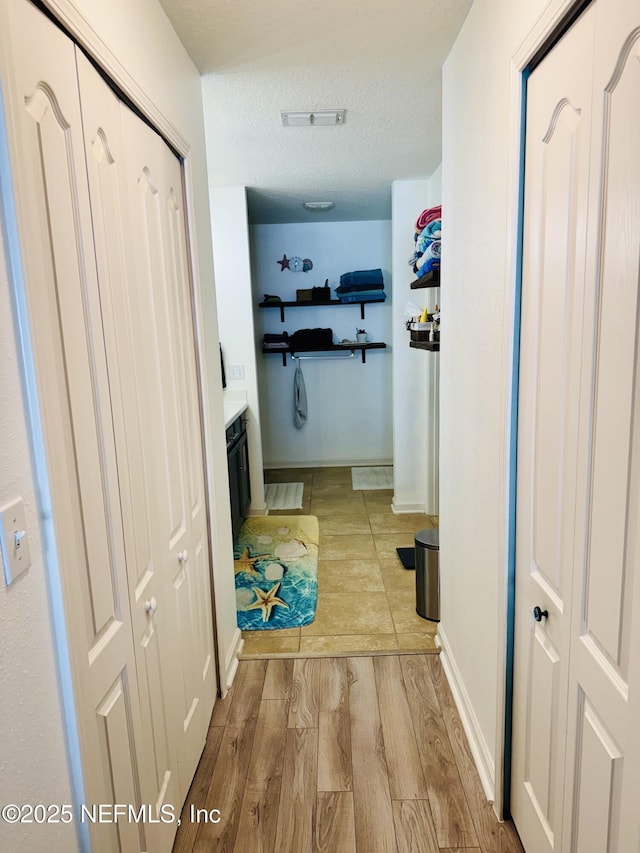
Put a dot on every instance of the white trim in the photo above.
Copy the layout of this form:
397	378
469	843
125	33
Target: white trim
231	662
400	508
477	744
82	31
329	463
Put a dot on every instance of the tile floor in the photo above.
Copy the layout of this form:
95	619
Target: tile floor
366	599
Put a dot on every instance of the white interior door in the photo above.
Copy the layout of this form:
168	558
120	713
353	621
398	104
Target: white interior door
603	759
575	748
49	172
102	223
140	233
125	337
171	433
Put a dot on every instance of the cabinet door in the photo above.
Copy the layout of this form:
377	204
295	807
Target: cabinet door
235	491
245	485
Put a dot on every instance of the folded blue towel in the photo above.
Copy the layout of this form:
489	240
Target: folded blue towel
371	277
364	296
354	288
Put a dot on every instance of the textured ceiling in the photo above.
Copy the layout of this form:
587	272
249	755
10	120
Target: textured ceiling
379	60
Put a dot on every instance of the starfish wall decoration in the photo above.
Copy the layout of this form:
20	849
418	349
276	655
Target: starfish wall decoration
284	263
266	601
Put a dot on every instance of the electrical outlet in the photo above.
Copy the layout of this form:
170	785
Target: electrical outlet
236	371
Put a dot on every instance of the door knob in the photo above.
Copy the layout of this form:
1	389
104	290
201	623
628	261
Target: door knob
539	614
151	606
183	556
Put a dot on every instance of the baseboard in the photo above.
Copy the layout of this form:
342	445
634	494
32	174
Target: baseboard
257	510
330	463
400	508
231	663
477	744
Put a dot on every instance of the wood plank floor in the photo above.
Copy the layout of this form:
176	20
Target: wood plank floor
339	755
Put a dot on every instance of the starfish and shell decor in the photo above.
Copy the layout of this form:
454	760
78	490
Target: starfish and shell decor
265	601
276	572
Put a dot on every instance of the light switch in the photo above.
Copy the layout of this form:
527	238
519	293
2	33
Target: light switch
14	540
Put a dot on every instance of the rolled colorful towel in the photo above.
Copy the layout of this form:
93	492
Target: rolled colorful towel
431	252
428	216
433	231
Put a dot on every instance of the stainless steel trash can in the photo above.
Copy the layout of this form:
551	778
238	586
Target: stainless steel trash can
427	545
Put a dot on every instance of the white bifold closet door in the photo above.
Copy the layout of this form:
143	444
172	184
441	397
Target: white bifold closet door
576	763
100	207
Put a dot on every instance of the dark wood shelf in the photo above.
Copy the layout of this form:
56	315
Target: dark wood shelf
350	347
430	279
322	304
430	346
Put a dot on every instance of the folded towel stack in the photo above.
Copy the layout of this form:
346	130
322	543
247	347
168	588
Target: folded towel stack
426	257
361	286
279	342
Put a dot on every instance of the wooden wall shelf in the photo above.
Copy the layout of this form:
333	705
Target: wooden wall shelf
334	348
323	304
430	279
430	346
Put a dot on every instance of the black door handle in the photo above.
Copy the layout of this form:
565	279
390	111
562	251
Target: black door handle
539	614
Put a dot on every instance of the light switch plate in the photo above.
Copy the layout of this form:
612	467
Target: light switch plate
14	540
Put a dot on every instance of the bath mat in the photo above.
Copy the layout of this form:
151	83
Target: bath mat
276	571
407	557
283	495
372	478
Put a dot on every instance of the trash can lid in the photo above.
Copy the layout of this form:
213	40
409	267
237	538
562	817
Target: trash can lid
429	538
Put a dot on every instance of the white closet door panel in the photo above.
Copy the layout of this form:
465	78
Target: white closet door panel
157	753
606	629
616	352
194	587
556	188
55	222
165	341
598	781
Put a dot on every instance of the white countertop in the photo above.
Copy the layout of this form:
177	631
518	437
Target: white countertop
235	403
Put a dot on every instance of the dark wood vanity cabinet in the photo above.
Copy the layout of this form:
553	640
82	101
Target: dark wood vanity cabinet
238	462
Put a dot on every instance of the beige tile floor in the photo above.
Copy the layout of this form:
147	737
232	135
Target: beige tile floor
366	599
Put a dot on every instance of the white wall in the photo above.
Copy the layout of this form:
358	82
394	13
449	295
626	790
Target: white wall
33	760
480	146
415	372
349	403
232	263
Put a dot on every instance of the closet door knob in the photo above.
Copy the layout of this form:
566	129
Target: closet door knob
183	556
151	606
538	614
